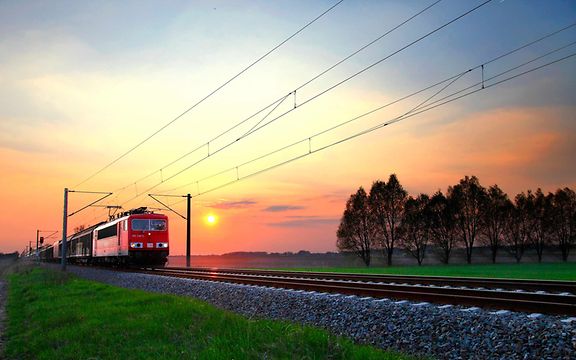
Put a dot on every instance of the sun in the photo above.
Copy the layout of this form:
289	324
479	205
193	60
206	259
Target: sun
211	219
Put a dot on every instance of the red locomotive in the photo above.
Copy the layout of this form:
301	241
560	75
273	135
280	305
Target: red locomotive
137	237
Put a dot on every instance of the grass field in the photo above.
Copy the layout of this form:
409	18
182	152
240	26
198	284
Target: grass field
52	315
545	271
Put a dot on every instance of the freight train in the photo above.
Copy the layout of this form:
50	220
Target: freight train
135	237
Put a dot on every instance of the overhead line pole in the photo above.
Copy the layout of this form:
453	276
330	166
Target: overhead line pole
66	216
188	218
188	229
64	230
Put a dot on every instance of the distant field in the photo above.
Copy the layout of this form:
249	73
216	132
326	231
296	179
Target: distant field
52	315
545	271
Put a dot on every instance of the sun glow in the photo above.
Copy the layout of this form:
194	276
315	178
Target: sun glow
211	219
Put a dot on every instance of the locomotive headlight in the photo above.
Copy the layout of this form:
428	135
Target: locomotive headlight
136	245
161	245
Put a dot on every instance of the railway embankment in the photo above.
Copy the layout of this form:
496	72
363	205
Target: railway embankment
421	329
55	315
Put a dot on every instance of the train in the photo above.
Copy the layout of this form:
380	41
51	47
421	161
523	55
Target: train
136	237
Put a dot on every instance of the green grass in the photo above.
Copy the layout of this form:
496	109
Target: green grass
545	271
52	315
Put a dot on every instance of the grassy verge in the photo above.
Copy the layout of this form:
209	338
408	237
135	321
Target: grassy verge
545	271
57	316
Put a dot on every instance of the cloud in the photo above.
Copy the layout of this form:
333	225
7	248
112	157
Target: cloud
225	205
526	145
311	221
10	140
336	196
279	208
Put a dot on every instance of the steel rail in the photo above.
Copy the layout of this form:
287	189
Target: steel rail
509	300
471	282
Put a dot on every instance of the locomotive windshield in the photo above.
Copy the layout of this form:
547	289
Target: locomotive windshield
149	224
158	225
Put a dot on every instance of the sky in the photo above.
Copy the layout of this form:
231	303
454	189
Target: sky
81	83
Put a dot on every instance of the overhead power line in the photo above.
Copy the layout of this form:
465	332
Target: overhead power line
379	126
450	81
416	111
276	103
210	153
435	104
419	109
531	43
210	94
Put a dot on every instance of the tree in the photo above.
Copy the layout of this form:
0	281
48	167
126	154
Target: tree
564	219
469	198
494	215
386	206
442	225
543	216
519	225
356	230
415	227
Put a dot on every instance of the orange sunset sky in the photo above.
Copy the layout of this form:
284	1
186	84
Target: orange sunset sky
83	82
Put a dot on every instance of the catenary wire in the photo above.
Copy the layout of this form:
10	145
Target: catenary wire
378	127
453	78
281	99
413	112
490	61
210	94
433	105
449	80
322	93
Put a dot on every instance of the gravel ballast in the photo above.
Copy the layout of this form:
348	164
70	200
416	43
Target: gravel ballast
444	332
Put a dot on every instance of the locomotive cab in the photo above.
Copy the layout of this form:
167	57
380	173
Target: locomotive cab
137	237
147	238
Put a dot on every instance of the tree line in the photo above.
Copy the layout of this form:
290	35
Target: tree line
387	217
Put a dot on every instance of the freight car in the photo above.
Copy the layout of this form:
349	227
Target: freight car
135	237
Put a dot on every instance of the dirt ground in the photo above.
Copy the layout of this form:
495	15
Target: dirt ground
5	267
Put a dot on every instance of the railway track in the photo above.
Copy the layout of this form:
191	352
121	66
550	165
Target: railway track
550	286
532	296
